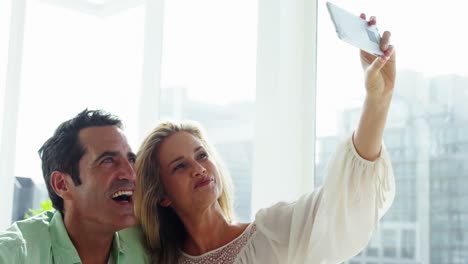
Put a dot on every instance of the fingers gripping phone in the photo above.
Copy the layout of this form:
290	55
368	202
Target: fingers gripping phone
355	30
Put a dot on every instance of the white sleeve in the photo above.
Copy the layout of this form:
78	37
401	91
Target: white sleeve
336	221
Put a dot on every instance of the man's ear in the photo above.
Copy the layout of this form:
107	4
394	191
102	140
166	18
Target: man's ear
61	183
164	202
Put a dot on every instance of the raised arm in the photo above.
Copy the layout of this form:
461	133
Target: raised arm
379	82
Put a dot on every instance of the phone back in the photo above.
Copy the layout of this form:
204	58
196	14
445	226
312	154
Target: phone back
354	30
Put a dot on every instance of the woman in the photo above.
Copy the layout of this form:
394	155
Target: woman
184	205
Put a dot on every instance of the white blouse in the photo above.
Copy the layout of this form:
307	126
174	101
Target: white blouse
330	225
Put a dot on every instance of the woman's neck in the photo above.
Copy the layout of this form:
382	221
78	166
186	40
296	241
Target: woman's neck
208	230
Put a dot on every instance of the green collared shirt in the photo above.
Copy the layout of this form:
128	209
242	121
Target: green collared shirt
44	239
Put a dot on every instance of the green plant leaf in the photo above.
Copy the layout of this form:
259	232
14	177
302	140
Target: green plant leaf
45	206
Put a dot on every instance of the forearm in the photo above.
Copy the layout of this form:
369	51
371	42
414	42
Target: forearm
369	133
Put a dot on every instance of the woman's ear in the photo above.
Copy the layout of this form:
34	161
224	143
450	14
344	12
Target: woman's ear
60	182
164	202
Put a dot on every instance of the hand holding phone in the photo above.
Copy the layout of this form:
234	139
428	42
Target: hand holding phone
355	30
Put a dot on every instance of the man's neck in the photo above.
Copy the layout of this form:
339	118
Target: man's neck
92	242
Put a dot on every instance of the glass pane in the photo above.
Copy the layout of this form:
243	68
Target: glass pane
389	243
72	61
426	129
407	244
208	75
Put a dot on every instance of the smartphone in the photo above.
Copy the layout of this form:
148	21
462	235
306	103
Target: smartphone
355	30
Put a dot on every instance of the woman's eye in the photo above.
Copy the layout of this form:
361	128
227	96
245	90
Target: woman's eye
132	160
203	155
179	166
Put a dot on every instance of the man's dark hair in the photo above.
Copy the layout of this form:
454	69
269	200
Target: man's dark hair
63	151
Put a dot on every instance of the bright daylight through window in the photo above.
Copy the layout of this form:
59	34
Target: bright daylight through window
426	132
91	54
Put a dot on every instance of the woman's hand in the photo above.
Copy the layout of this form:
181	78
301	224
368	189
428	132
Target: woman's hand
379	71
380	82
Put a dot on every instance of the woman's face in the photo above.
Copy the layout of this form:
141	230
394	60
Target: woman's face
190	177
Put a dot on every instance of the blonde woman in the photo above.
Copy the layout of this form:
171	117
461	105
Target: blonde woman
184	205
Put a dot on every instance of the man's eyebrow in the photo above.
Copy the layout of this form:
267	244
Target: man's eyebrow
106	154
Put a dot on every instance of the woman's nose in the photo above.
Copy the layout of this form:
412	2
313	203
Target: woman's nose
198	170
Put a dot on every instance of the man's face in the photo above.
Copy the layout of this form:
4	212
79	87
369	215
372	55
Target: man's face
107	175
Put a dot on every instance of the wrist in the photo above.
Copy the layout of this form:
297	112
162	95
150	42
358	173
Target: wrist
381	102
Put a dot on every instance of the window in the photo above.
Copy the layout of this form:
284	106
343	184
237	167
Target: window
72	60
92	56
81	53
389	243
87	54
408	244
426	127
208	75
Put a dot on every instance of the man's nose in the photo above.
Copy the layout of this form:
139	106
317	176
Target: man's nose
127	171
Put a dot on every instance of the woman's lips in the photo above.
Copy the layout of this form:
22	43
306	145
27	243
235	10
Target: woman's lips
203	182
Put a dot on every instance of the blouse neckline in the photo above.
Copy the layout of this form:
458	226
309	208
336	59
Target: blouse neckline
245	232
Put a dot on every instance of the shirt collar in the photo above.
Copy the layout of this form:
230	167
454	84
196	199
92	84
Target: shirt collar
118	244
63	249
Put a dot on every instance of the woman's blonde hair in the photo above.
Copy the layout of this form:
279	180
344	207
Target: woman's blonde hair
163	229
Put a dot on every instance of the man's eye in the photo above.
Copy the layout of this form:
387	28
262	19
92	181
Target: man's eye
132	160
107	160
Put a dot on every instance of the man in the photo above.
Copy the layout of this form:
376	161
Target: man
88	170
